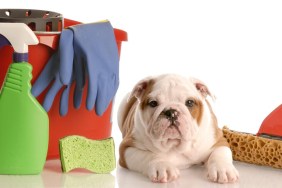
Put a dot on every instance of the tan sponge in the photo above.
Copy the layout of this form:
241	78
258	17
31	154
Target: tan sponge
253	149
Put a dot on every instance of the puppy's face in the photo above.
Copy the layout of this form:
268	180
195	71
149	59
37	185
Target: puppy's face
171	108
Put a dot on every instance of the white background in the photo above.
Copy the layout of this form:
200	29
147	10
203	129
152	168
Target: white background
233	46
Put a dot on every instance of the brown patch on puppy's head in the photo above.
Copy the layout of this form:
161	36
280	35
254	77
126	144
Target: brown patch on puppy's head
196	110
204	92
142	89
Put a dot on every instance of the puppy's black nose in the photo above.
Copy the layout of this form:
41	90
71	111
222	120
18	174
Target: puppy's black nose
171	114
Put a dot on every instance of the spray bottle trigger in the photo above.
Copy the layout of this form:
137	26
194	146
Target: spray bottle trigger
19	35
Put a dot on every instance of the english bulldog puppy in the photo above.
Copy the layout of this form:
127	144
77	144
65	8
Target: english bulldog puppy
168	124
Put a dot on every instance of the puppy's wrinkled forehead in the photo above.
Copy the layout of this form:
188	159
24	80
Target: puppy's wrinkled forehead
172	88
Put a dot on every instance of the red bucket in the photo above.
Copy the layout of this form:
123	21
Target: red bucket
78	121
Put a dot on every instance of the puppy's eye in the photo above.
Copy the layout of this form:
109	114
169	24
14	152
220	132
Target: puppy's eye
190	103
153	104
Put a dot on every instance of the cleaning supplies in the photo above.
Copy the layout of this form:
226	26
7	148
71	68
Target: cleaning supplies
254	149
95	155
87	52
23	122
271	127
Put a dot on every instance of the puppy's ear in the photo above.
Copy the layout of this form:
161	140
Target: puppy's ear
202	88
141	88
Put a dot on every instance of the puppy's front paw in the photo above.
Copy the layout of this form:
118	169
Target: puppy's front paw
222	172
162	172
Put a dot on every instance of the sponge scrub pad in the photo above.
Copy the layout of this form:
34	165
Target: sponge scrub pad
95	155
253	149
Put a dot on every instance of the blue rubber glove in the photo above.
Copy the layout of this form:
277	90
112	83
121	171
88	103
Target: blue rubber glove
95	47
89	49
78	78
51	73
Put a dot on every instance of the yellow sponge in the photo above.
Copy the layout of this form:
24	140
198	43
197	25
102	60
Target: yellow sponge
254	149
95	155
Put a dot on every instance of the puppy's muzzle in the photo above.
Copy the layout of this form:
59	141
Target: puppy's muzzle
172	115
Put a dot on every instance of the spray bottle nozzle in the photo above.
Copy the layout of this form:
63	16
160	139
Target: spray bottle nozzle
19	35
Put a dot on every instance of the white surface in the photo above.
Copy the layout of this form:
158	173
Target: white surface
234	46
251	176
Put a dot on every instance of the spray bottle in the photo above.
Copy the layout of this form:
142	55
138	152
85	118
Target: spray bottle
24	124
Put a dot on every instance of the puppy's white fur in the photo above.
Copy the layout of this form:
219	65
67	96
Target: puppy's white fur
158	145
